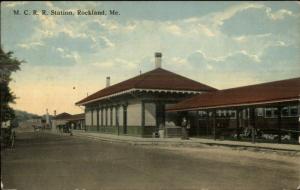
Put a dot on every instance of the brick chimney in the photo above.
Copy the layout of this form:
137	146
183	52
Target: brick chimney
107	81
158	56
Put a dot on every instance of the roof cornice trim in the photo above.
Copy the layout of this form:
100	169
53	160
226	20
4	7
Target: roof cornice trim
139	89
236	105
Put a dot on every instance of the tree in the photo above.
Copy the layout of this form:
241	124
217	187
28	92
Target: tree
8	65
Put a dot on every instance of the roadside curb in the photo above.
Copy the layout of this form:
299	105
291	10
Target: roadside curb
58	133
186	143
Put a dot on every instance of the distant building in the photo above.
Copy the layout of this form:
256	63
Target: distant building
66	120
36	122
137	106
59	121
76	121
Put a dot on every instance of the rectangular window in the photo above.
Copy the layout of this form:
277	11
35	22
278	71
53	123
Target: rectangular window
275	112
246	113
202	114
232	114
293	111
219	113
271	112
268	112
224	113
285	112
260	111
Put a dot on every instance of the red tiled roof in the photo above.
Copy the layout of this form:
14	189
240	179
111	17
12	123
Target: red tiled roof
155	79
255	94
63	115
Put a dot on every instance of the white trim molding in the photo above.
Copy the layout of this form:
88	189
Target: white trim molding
141	90
236	105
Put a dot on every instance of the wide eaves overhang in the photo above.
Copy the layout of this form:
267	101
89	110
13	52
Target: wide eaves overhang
129	91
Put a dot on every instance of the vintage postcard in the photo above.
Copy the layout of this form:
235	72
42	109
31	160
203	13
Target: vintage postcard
200	95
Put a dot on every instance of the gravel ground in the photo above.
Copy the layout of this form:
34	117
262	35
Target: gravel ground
47	161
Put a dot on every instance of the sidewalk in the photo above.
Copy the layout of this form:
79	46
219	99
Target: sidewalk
192	142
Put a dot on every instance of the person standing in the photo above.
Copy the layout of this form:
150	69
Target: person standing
188	127
183	128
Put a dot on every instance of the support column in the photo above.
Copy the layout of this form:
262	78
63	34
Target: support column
92	119
85	119
101	116
197	123
214	124
207	123
143	119
106	116
97	119
252	123
299	121
124	118
117	118
111	109
238	112
279	108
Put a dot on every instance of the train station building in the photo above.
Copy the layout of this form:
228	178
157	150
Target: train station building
159	99
137	106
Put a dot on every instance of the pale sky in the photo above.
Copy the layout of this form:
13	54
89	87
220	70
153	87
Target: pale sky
221	44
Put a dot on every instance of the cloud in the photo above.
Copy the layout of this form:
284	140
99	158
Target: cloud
240	39
261	21
108	43
216	59
210	24
115	63
130	27
196	26
220	17
179	61
215	45
243	55
13	4
278	15
248	38
61	50
65	53
225	58
209	67
206	30
174	29
49	4
70	33
239	60
30	45
254	57
232	11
